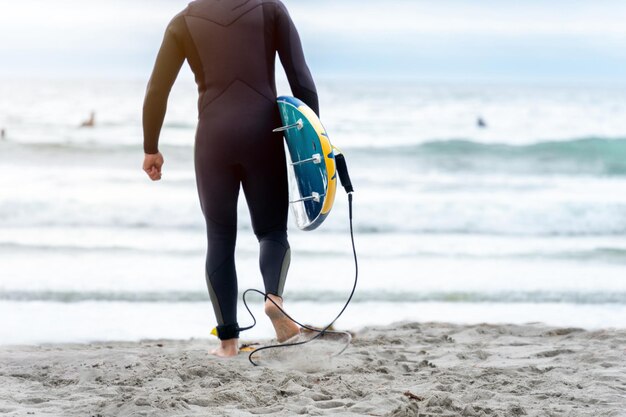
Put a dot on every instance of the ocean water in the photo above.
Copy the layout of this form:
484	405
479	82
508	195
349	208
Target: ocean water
523	221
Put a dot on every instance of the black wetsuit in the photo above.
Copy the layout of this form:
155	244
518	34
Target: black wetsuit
231	48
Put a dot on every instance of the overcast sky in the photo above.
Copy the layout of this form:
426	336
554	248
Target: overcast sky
438	39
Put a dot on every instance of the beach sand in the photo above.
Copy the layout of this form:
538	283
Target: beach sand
407	369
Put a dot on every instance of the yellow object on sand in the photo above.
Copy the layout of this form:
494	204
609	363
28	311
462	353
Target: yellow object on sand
246	349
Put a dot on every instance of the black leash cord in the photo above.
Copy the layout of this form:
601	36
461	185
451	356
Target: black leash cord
320	333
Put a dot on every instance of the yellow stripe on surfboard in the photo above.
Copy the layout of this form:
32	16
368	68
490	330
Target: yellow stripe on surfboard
327	150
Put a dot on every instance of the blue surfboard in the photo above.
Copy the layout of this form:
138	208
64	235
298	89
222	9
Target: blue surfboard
311	163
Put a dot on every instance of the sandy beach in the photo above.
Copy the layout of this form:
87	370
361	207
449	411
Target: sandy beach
407	369
486	235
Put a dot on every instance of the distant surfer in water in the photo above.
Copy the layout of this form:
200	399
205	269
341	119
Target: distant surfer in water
231	48
91	122
3	134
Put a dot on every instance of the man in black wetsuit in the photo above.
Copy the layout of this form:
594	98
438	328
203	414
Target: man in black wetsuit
231	48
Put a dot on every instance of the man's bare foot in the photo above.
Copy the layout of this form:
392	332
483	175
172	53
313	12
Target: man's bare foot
227	349
285	328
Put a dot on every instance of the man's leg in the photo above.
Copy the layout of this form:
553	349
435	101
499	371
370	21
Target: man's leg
218	188
266	189
221	278
275	257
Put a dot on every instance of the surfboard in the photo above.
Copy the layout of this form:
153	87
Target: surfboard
310	163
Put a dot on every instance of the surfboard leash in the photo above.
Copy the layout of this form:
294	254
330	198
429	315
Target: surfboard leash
344	177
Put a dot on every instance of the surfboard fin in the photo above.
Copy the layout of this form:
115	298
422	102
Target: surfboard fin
316	159
317	197
297	125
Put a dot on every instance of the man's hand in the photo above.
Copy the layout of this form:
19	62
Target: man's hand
152	165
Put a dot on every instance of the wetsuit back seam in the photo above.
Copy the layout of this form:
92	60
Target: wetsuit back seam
218	96
241	5
229	24
228	87
271	100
